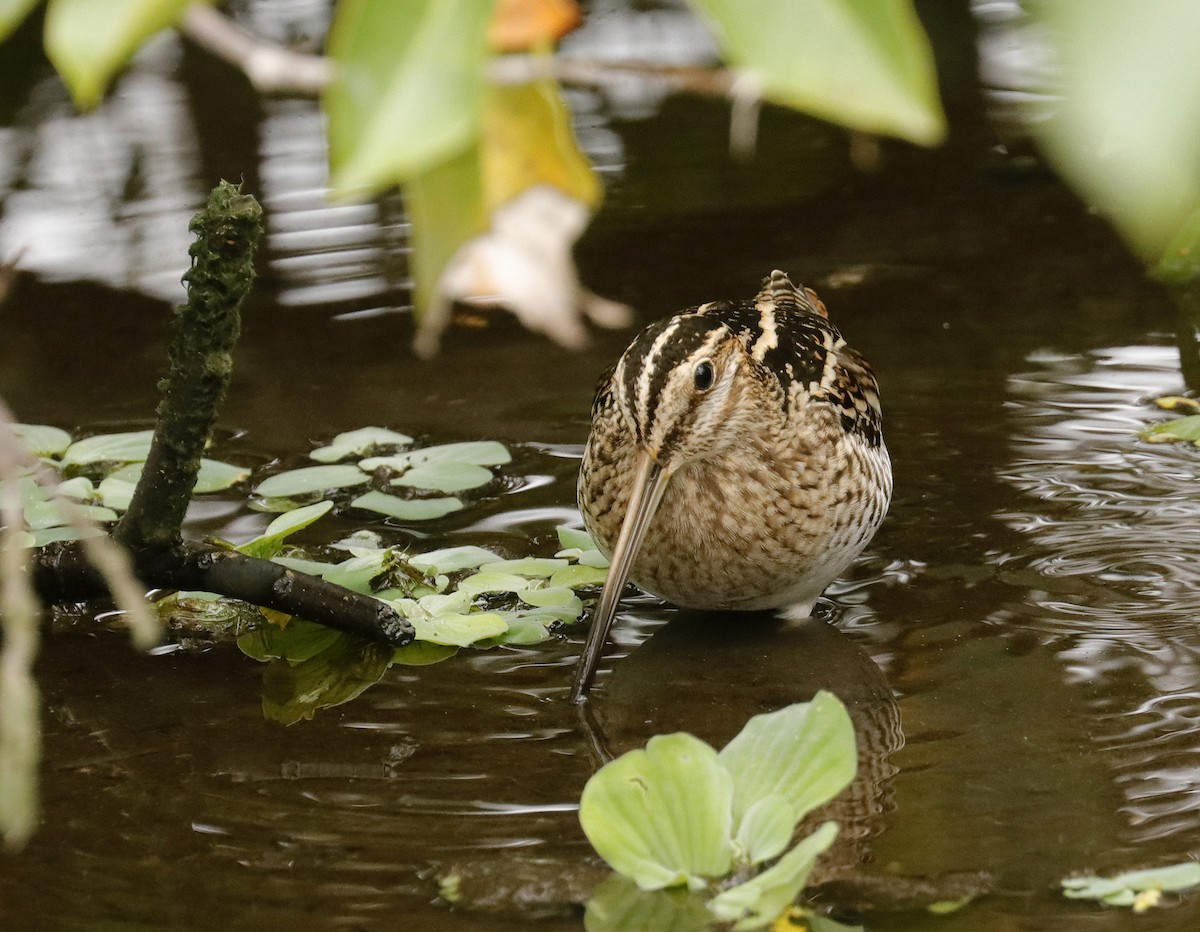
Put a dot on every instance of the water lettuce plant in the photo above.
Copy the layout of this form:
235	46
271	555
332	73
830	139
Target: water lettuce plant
701	836
1141	890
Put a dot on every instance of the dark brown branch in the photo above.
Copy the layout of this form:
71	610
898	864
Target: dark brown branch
63	573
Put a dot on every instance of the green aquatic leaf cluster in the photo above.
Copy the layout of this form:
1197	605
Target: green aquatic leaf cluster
1141	890
421	476
455	597
98	474
678	814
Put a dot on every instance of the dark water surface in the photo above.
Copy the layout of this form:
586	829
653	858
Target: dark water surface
1018	646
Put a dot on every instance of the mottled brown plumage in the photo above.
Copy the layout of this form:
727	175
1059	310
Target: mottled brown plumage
749	437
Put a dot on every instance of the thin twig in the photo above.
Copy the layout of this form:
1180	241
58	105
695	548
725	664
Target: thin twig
271	68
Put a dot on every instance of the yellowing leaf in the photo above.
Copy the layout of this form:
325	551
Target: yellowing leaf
528	139
89	42
863	63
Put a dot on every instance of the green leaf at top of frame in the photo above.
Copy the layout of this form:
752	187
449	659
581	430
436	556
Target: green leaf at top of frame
661	815
407	87
865	64
89	42
40	439
359	443
12	14
803	753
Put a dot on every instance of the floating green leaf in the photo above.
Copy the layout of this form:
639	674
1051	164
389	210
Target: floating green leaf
90	42
1185	429
570	538
270	542
488	581
452	559
552	597
662	815
38	439
115	493
804	754
310	479
408	509
407	88
47	514
522	630
458	630
125	447
472	452
310	567
80	489
576	576
866	64
540	567
359	443
358	572
52	534
445	477
214	476
755	903
1138	889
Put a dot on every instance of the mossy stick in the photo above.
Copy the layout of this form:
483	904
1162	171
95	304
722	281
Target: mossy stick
204	333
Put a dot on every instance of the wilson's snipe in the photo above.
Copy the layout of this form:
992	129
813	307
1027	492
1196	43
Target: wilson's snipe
742	443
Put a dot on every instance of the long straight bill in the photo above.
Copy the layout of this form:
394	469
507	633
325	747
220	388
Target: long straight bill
649	483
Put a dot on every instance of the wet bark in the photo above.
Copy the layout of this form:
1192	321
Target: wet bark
205	331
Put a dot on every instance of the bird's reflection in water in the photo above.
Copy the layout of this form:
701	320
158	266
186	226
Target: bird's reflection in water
708	673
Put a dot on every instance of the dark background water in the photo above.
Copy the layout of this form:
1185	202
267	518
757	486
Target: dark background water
1025	618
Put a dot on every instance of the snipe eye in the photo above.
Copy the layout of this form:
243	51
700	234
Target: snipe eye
704	375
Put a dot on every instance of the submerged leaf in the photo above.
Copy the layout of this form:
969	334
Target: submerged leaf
309	479
335	674
359	443
661	816
423	654
297	641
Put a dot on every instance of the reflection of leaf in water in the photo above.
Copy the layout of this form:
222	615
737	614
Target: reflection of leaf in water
294	691
619	905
